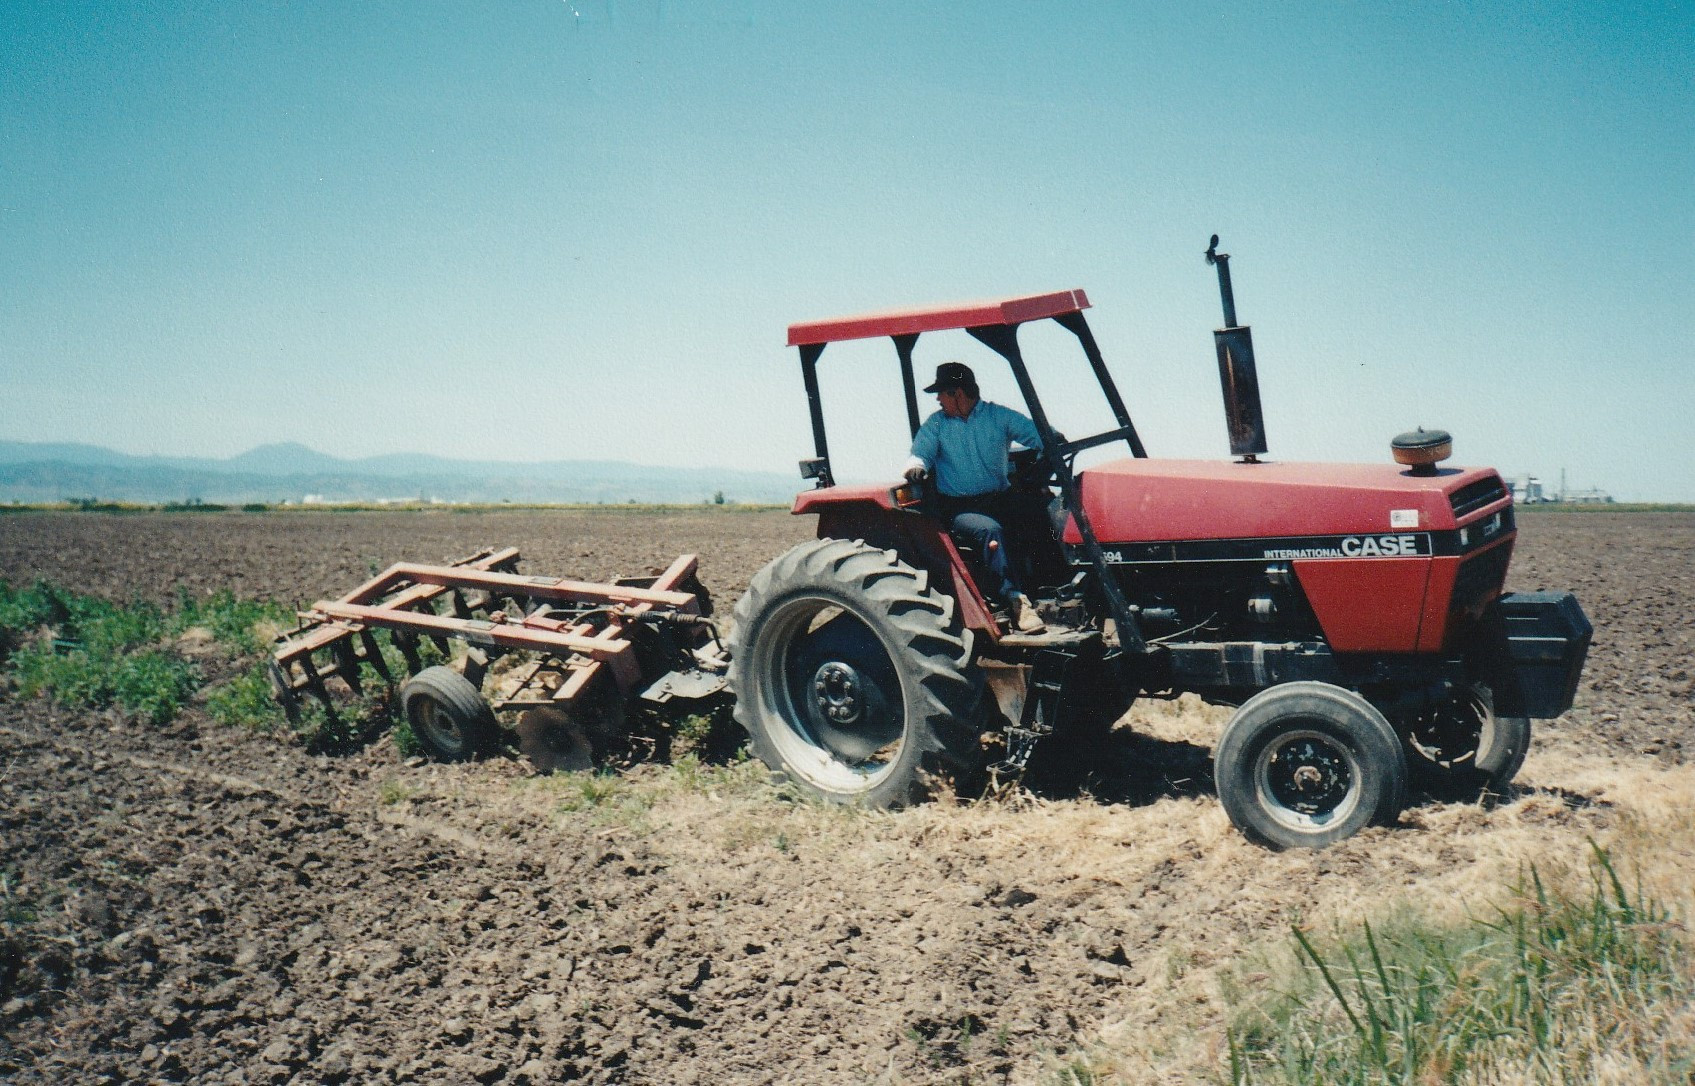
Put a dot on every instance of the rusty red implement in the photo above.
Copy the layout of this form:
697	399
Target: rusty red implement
575	631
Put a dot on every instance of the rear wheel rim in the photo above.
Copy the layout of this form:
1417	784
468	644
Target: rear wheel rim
835	691
1307	780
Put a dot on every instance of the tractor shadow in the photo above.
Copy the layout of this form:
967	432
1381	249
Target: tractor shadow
1123	768
1425	793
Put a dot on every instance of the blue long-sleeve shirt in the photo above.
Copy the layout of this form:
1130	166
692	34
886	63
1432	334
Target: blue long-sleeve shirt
968	456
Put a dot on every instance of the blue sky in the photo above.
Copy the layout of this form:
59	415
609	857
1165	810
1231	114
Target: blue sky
536	230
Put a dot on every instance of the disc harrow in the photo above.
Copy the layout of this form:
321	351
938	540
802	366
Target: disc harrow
650	637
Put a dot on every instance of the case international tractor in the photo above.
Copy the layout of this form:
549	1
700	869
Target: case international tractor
1353	614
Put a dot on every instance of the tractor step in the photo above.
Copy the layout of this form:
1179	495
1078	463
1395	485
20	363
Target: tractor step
1054	638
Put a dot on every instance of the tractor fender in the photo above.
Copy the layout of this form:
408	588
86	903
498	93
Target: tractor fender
919	538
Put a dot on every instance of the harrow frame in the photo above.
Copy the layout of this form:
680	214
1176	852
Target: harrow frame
646	636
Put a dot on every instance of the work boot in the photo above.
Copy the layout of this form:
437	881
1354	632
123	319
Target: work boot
1025	620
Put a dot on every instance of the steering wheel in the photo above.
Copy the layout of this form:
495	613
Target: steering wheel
1030	471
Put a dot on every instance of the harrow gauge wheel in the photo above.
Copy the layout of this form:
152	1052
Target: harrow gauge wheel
448	714
1307	764
849	675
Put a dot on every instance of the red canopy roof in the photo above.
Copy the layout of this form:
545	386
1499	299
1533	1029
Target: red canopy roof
898	322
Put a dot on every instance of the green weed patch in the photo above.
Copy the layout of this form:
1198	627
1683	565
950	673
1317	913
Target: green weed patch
241	625
88	652
23	610
245	701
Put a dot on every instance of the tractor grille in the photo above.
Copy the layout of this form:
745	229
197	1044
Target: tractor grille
1474	496
1480	578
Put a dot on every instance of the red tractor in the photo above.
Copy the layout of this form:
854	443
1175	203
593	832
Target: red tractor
1353	614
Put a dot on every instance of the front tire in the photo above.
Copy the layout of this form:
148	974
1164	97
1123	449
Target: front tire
1307	764
850	676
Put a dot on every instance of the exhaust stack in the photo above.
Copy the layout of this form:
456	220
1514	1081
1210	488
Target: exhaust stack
1235	344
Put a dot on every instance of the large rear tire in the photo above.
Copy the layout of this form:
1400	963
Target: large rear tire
448	715
851	676
1307	764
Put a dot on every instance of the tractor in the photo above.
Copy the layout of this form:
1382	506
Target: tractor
1353	615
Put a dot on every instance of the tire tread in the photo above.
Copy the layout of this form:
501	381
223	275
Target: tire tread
945	697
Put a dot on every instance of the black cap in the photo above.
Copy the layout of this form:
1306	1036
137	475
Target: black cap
952	375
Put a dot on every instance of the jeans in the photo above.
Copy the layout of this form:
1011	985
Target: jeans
977	522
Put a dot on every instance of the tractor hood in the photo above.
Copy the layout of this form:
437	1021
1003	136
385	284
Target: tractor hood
1146	500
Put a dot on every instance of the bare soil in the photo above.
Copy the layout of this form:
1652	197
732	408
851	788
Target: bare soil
198	904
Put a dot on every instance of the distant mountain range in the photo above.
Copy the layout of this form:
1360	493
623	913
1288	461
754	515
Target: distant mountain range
290	472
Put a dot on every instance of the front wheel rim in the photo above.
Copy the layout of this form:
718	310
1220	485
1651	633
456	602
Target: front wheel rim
1307	780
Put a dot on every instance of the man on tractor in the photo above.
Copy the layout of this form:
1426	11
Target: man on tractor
964	446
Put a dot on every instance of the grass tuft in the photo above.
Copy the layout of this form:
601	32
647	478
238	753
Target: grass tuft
405	739
245	701
154	686
23	610
710	734
1557	985
88	652
242	626
391	792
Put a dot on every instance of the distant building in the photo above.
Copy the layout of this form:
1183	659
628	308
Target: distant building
1527	490
1530	490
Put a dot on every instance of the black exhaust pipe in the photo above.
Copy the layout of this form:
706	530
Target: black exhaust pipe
1235	344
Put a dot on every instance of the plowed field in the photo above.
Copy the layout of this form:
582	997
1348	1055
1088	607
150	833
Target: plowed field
198	904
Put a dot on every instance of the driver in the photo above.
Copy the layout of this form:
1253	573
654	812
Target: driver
964	445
